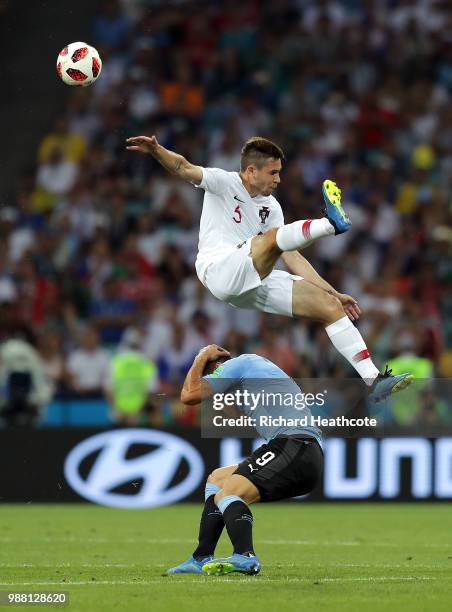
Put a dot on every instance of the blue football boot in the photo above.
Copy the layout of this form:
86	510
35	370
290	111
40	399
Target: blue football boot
191	566
333	207
387	384
236	563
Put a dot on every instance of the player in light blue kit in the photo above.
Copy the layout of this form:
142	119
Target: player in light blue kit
289	464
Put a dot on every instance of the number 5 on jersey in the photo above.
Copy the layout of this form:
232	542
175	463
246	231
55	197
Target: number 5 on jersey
237	214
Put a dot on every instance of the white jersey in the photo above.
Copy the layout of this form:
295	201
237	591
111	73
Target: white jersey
230	216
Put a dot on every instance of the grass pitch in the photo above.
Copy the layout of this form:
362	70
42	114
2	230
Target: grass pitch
315	557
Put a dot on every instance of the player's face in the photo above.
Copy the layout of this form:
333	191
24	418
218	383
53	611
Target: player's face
267	178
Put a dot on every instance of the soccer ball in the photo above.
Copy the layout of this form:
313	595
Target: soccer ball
79	64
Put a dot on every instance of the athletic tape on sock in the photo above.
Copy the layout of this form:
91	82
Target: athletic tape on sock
227	501
211	489
347	339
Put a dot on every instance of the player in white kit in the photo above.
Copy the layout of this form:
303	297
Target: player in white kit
242	235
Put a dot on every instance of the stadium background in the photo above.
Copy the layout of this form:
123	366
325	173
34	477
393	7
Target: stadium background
96	256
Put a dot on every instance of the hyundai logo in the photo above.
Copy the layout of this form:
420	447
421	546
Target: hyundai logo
105	462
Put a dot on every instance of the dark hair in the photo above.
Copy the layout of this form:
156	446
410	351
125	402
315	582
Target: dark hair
210	365
258	150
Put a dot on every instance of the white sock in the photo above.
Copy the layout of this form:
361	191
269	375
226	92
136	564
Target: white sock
300	234
349	342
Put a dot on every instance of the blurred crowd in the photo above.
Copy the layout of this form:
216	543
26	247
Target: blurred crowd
100	245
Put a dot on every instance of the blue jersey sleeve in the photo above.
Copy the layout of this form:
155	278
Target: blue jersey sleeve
227	376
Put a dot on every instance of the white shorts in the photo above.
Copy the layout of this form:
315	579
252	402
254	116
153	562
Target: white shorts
233	279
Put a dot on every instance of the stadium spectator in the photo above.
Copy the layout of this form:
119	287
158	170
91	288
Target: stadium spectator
177	355
111	313
87	366
71	144
227	154
131	379
56	175
236	343
417	404
38	296
274	346
194	299
405	353
182	95
50	350
25	389
433	412
111	27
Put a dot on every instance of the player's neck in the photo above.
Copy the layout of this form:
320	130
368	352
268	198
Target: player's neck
253	191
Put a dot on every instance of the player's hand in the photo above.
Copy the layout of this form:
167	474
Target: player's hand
143	144
212	352
351	307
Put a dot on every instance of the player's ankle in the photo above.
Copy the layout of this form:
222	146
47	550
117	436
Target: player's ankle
202	557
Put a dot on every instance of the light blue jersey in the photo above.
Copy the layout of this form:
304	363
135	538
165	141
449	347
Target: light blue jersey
275	401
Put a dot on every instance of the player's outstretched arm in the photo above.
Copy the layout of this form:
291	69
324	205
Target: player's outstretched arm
173	162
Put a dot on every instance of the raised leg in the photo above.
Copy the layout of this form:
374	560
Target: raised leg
312	302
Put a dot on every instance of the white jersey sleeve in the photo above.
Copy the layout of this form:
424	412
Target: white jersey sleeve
215	180
278	215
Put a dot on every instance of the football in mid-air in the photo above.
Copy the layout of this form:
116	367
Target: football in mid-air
79	64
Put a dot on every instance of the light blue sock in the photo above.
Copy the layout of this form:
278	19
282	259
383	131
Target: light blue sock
227	501
211	489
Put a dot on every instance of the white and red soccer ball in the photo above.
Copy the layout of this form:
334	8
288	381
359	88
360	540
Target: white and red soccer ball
79	64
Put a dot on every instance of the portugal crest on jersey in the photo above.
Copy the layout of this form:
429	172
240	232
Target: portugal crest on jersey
264	213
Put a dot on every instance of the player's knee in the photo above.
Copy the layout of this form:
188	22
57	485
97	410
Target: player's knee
243	489
270	235
265	242
332	309
215	478
228	487
226	491
218	497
